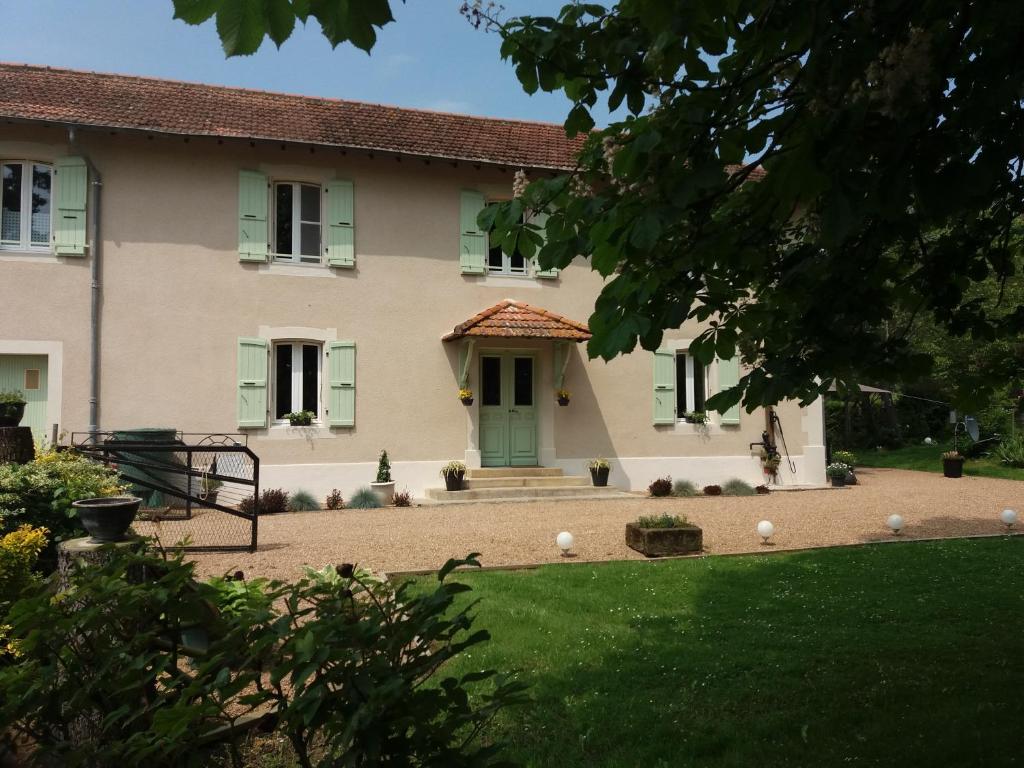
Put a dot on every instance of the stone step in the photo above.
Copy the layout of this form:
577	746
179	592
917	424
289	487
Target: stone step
520	493
530	481
513	472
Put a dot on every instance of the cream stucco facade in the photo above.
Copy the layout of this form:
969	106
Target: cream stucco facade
176	300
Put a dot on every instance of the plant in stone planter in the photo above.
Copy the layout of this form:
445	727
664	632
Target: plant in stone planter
453	472
696	417
599	469
300	418
952	464
384	486
658	535
563	396
12	408
836	472
466	396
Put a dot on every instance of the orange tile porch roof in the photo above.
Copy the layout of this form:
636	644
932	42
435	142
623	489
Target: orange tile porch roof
72	97
512	319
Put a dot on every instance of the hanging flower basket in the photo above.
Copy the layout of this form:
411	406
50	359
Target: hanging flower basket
563	396
466	396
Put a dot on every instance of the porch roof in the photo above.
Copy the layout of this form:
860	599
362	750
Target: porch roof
511	319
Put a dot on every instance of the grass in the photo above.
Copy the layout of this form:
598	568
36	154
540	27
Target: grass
885	655
928	458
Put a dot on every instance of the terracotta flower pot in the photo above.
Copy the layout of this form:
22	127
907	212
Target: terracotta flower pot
108	519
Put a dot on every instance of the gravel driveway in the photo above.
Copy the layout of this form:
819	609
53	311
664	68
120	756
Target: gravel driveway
518	533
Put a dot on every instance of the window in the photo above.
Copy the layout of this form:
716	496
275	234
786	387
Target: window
25	205
297	371
691	385
297	222
499	262
31	379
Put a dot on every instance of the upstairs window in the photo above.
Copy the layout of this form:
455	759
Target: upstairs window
297	377
501	263
25	205
691	385
297	217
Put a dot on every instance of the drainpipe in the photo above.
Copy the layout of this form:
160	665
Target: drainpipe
93	248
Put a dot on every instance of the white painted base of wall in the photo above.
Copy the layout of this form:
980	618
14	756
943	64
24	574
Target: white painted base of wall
629	473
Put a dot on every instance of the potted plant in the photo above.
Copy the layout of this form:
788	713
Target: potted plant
836	472
107	519
466	396
849	459
659	535
384	487
563	396
696	417
453	472
599	469
12	408
952	464
300	418
770	463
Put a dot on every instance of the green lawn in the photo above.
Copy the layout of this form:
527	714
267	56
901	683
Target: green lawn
928	458
897	654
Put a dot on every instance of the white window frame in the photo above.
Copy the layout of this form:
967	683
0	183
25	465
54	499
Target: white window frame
25	236
297	345
506	269
690	383
296	257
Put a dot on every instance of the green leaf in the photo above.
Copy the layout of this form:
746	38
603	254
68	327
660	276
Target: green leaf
195	11
240	25
280	20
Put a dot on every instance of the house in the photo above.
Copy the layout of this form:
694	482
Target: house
212	259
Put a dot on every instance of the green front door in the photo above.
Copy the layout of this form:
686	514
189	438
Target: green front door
27	374
508	415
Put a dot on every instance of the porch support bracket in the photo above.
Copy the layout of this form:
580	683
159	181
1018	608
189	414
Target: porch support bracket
561	363
465	357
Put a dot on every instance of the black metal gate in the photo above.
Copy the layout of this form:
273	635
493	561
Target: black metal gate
198	490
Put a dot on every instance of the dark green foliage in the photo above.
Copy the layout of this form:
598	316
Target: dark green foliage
384	468
662	521
149	662
403	499
683	488
928	458
737	487
12	397
334	500
712	490
273	501
661	487
302	501
364	498
1010	451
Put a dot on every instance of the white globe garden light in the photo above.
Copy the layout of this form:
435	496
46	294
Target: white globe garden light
564	540
1009	517
895	522
765	530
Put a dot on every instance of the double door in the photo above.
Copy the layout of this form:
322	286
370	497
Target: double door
508	413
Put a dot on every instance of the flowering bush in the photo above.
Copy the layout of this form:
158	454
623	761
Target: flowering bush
837	469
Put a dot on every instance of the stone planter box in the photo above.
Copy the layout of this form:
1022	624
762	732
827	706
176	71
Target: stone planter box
659	542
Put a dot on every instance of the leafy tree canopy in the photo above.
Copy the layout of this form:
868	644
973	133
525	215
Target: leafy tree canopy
890	133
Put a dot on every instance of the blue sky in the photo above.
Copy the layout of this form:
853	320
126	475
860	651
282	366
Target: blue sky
430	57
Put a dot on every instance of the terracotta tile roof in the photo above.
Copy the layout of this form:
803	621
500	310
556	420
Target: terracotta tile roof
512	319
165	106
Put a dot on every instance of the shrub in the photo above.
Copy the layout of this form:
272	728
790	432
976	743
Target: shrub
19	551
273	501
845	457
737	487
712	490
595	464
309	650
403	499
836	469
661	521
1011	451
11	397
684	488
762	490
661	487
364	498
453	468
302	501
384	468
334	500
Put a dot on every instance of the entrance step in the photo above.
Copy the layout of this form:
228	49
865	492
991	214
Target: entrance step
487	472
529	481
520	492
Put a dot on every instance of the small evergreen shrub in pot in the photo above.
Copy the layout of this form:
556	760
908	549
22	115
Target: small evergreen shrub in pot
12	408
952	464
453	473
712	490
836	472
660	487
660	535
384	486
599	469
684	489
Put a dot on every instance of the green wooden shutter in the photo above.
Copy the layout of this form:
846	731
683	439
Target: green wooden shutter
541	219
665	386
341	230
341	377
729	376
472	239
72	193
252	382
252	216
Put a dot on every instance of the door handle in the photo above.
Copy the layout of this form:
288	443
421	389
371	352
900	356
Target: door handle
512	410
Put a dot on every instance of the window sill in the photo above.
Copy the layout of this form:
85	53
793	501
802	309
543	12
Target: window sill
296	269
9	253
288	432
502	280
682	427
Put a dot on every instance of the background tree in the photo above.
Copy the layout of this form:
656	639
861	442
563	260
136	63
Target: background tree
890	133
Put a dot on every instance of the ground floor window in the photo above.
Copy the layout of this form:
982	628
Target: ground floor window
691	385
297	376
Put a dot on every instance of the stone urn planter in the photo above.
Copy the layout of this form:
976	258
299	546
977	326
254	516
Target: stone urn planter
108	519
953	467
599	476
385	492
11	414
659	542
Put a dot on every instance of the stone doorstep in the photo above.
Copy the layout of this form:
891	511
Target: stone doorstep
488	472
523	493
530	481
